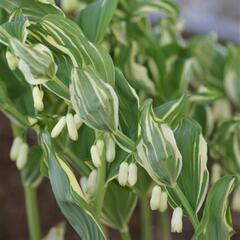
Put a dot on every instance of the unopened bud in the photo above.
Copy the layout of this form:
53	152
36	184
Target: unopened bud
215	173
69	5
72	130
15	148
22	156
155	198
123	174
38	98
100	146
236	199
95	156
132	174
12	60
58	127
92	182
176	222
78	121
84	183
163	202
32	121
110	149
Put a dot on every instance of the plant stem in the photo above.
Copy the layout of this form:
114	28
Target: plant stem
32	212
164	223
193	218
146	218
125	234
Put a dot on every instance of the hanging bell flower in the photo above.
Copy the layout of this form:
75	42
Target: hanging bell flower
84	183
155	198
92	182
176	222
95	155
163	201
22	156
58	127
71	126
132	174
123	174
78	121
15	148
12	60
38	98
110	148
69	5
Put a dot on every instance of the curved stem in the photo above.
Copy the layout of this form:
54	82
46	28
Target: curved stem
146	218
125	234
32	213
193	218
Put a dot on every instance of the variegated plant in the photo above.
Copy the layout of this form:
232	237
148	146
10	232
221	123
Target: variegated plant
122	102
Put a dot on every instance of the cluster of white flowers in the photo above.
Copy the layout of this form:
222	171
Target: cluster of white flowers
73	124
159	199
19	152
127	174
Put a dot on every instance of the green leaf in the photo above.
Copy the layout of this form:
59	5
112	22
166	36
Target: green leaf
69	196
94	100
162	160
119	203
94	19
216	221
128	116
193	179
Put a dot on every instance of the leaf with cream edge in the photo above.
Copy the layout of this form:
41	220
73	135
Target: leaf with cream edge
69	196
193	179
162	160
94	100
94	19
216	223
66	36
119	203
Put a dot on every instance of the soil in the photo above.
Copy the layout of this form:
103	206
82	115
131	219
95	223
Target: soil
13	224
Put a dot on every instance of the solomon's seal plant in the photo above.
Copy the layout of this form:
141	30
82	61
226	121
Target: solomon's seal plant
124	109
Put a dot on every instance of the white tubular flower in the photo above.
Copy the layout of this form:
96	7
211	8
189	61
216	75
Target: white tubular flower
69	5
91	183
84	183
78	121
132	174
123	174
110	148
176	222
38	98
22	156
100	146
58	127
155	198
12	60
95	156
15	148
72	130
215	173
163	202
236	200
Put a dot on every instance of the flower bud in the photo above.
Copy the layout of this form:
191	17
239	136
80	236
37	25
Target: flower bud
72	130
69	5
155	198
123	174
176	222
163	202
12	60
100	146
95	156
78	121
132	174
38	98
92	181
58	127
22	156
216	173
84	183
236	199
15	148
110	148
32	121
